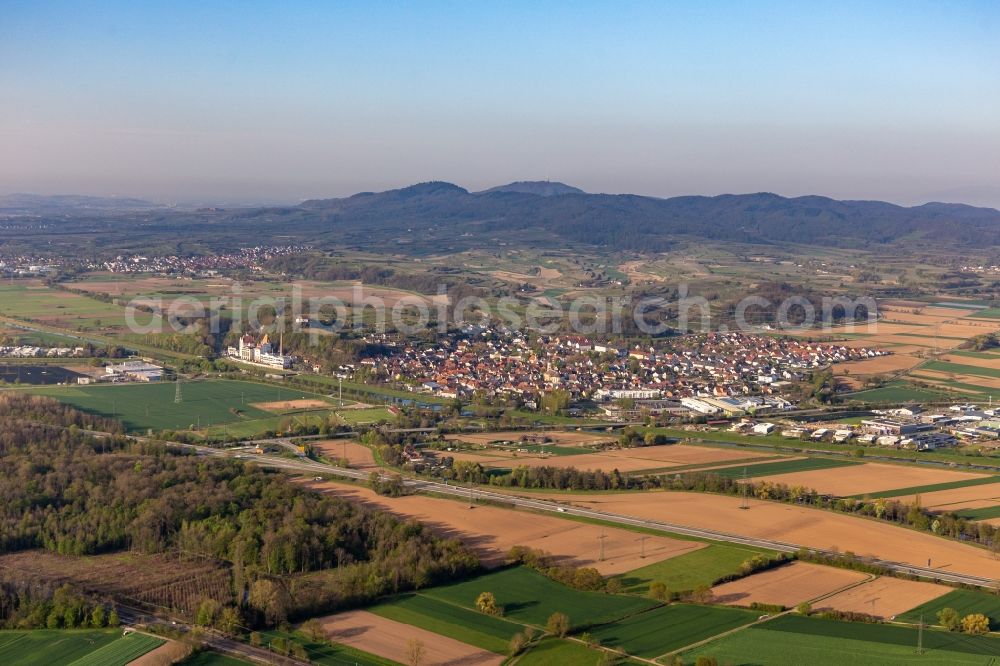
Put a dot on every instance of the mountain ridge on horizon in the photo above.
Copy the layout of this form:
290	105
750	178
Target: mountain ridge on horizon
541	213
545	188
557	188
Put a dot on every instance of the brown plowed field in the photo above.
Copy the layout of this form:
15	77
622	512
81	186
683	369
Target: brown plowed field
624	460
788	585
390	639
891	596
944	499
878	365
867	478
359	456
492	531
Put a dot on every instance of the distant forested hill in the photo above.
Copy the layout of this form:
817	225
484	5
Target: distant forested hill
439	216
625	221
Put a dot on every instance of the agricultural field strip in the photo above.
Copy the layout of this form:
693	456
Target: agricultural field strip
929	488
982	513
454	620
960	369
643	634
964	601
782	467
689	570
48	647
529	598
832	643
123	651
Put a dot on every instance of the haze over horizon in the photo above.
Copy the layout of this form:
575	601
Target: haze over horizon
179	102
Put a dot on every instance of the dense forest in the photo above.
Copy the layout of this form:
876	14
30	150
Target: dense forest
77	495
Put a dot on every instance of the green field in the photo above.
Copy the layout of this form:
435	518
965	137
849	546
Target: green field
987	313
793	640
931	487
361	416
557	652
469	626
989	355
964	601
963	390
383	393
897	392
529	597
960	369
781	467
688	571
211	402
32	300
83	647
122	651
670	628
984	513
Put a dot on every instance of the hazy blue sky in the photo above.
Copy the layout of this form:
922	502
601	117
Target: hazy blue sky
256	101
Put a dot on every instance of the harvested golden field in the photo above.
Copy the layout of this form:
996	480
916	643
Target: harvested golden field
884	597
390	639
492	531
803	526
788	585
868	478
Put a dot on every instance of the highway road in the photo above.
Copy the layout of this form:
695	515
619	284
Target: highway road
305	466
210	639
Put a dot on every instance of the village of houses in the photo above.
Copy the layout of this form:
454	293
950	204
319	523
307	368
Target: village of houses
732	380
722	373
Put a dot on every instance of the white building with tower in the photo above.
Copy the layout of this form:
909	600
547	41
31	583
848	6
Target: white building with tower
262	352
